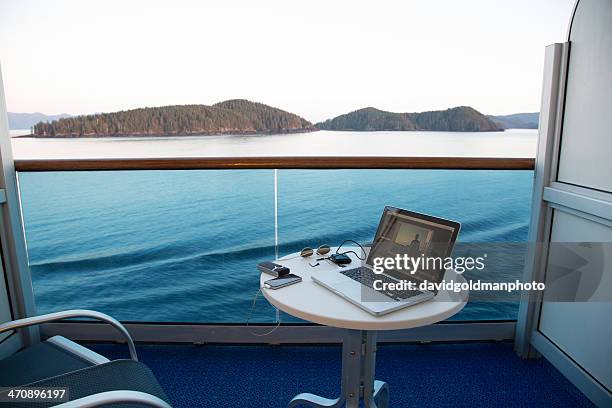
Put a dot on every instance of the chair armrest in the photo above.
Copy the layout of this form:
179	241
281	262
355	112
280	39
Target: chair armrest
67	314
116	397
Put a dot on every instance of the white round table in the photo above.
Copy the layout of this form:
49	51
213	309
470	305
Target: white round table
309	301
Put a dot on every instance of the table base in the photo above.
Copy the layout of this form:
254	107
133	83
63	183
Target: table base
358	383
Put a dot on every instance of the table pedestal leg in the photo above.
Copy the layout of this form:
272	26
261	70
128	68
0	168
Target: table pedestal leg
358	363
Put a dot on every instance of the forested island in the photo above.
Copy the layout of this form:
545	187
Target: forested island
459	119
240	116
236	116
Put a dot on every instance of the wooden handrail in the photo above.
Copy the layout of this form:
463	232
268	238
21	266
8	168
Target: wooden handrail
300	162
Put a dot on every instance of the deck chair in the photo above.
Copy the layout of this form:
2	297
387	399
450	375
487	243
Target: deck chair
92	379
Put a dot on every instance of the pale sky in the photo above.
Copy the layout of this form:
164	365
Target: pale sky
315	58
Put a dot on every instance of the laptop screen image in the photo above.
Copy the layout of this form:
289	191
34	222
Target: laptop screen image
417	236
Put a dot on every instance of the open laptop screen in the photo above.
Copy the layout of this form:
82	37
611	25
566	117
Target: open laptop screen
416	235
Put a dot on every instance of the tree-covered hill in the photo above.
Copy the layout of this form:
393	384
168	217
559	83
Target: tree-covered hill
229	117
368	119
27	120
517	120
459	119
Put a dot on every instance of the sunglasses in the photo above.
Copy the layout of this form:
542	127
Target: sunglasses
322	250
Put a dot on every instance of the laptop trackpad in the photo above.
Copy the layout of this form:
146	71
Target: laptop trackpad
361	293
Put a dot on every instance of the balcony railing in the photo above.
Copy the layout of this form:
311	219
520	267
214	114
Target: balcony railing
113	233
297	162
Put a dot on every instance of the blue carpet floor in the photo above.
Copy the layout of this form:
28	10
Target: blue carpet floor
432	375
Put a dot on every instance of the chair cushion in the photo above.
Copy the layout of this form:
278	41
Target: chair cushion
112	376
42	360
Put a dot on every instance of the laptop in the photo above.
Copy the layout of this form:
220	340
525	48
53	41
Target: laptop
399	232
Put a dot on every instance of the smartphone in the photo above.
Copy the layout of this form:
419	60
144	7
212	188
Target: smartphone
282	281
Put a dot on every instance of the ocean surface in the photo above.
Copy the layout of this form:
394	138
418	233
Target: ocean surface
511	143
184	245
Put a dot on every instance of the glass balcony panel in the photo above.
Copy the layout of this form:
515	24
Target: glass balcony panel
150	246
328	206
168	246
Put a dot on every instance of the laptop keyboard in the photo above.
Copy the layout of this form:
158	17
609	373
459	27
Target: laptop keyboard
366	277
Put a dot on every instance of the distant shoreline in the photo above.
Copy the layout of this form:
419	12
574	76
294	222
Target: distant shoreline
137	135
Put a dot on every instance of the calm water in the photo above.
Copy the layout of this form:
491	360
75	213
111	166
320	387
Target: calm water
511	143
183	245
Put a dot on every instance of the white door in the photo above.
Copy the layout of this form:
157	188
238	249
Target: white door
573	205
